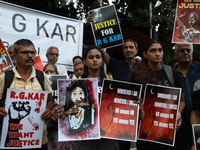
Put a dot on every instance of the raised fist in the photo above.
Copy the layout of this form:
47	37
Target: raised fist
19	110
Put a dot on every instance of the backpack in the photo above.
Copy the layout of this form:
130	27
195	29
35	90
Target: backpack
9	78
169	73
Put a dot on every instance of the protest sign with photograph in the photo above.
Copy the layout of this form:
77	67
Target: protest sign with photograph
118	110
5	60
105	27
161	105
196	136
23	126
79	100
187	23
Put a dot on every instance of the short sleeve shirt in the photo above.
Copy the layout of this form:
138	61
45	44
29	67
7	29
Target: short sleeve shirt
31	84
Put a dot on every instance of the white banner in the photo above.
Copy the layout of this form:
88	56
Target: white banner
43	29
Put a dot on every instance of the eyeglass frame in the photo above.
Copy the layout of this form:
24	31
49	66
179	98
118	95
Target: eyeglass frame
26	52
53	54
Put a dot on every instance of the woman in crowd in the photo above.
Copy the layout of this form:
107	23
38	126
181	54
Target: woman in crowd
52	124
50	69
152	71
93	60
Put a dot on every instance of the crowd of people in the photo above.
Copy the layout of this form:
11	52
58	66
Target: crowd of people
150	69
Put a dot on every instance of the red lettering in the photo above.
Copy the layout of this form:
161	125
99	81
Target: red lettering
37	142
30	96
21	95
16	126
28	134
20	143
20	127
12	134
36	96
12	94
42	96
31	134
25	141
32	142
17	143
20	135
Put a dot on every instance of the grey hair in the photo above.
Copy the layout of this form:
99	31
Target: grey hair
177	45
48	49
78	62
12	45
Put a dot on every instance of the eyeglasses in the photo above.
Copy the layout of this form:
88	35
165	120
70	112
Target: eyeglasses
27	52
126	47
184	49
49	71
81	69
54	54
10	52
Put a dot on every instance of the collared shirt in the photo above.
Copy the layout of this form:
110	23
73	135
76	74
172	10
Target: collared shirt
31	84
120	69
62	70
188	84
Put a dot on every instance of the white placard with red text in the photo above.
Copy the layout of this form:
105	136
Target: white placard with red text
23	126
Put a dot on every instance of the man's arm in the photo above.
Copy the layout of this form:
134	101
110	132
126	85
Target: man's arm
106	57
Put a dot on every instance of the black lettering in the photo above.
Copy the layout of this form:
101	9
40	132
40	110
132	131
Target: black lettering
70	28
54	31
22	24
42	27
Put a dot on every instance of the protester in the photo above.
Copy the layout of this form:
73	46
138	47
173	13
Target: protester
190	73
150	70
78	69
50	69
24	75
121	69
52	57
11	52
93	60
76	59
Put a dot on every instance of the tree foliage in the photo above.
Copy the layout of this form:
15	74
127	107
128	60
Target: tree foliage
137	14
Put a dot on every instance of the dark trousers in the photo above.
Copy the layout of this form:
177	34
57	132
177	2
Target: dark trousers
124	145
